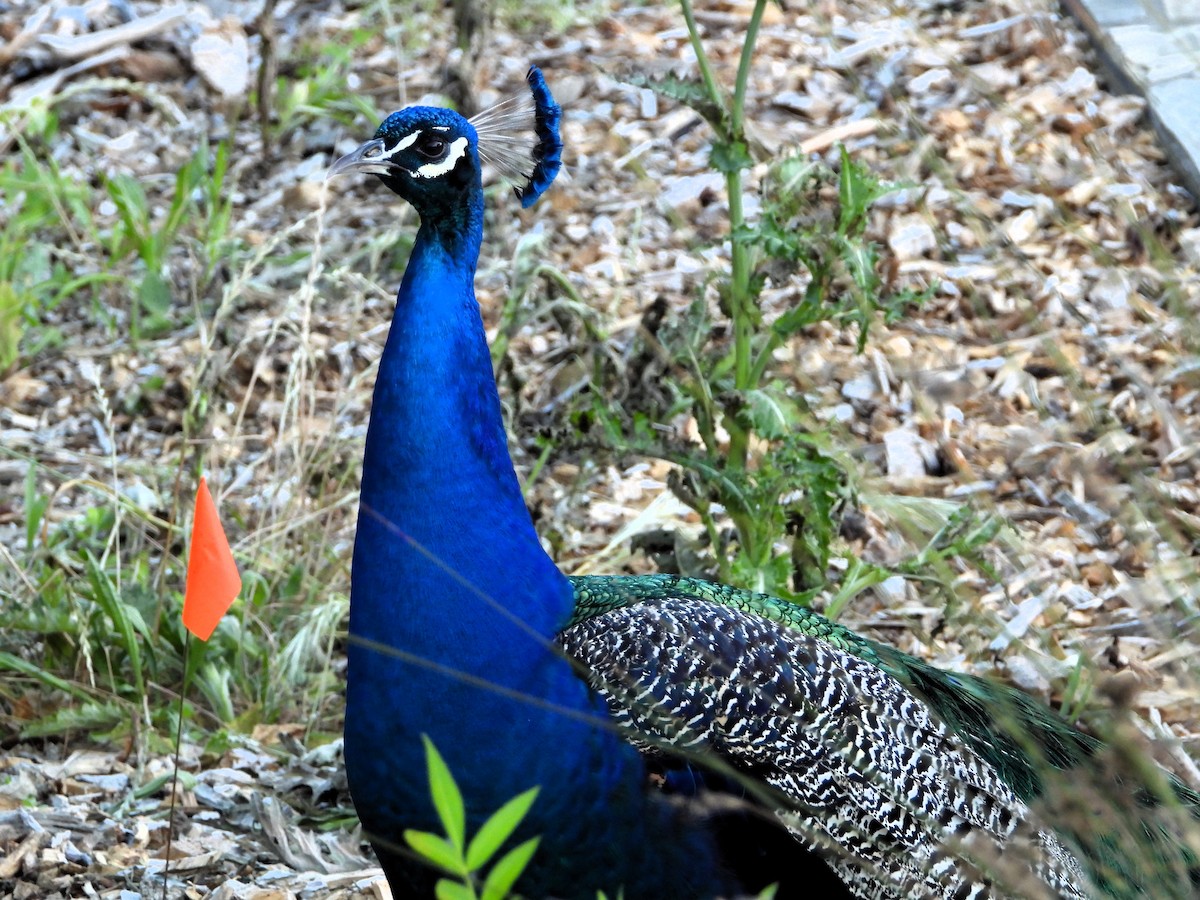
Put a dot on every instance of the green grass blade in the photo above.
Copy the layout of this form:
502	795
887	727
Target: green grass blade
104	595
50	680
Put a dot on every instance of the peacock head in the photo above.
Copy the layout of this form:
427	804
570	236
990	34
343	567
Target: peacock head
425	154
430	156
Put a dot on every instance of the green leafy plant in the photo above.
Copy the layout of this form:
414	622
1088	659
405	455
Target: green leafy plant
83	619
764	461
317	89
465	860
152	240
33	276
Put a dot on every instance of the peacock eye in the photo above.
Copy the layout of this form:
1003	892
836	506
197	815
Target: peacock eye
432	148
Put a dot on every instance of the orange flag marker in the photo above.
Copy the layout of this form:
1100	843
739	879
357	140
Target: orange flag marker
213	581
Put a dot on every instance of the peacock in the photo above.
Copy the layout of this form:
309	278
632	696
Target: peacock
688	739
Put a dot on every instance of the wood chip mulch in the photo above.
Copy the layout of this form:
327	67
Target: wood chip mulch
1053	377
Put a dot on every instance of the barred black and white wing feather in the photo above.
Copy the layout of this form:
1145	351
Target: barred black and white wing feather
519	138
865	775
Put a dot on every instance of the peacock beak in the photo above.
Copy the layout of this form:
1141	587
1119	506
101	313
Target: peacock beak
367	158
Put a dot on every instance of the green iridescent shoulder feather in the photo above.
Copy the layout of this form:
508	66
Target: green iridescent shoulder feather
596	594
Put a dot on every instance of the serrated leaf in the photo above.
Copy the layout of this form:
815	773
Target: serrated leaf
770	412
498	828
730	157
790	176
447	799
453	890
508	869
860	258
803	314
435	849
688	91
857	190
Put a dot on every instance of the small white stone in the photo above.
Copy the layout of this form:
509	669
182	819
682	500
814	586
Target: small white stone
1122	190
894	589
689	188
908	454
1027	610
1025	675
221	54
1021	228
602	226
1079	597
930	80
1079	81
860	388
1111	291
912	237
1189	243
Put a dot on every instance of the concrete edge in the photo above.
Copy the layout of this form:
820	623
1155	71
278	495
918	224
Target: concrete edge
1176	123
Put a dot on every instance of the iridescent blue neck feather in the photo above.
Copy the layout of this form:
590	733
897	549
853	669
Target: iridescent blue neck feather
454	604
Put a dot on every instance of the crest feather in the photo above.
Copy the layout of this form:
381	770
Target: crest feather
519	137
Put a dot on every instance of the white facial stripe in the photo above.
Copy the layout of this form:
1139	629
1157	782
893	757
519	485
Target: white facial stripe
404	142
432	170
441	127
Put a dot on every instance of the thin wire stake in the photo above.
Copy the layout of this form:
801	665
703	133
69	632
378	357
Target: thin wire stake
187	649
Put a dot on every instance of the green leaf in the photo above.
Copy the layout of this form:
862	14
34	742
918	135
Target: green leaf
12	324
127	193
791	177
435	849
453	890
49	679
104	595
187	781
89	718
447	799
213	681
770	412
508	869
154	293
187	179
35	507
498	828
730	157
860	258
857	190
688	91
799	316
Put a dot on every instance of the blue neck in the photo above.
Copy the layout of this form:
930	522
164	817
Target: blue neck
437	474
448	569
448	574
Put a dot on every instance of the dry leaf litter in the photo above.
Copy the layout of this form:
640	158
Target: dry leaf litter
1037	201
